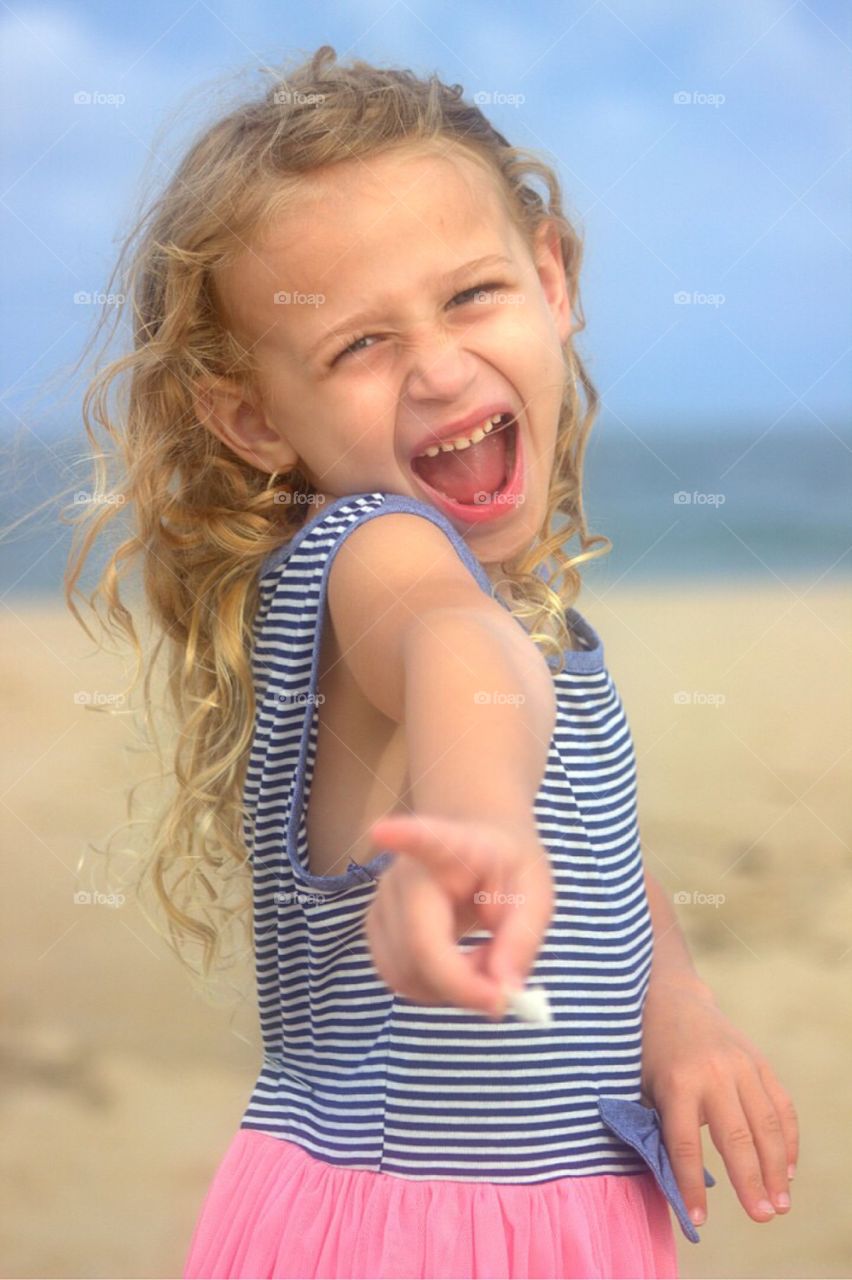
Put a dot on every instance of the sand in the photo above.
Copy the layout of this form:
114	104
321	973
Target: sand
123	1087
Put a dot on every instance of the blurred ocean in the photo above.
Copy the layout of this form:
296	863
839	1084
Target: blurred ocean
751	503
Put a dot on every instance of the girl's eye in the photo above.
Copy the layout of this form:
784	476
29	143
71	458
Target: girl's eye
353	346
477	288
480	288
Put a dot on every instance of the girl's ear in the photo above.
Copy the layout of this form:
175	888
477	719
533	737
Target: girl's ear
236	417
551	272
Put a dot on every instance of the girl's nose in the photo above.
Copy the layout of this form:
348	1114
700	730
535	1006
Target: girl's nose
438	368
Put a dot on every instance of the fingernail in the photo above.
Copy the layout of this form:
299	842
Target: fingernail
765	1207
697	1216
791	1171
782	1200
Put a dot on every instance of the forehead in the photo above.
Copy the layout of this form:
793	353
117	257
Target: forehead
401	187
356	227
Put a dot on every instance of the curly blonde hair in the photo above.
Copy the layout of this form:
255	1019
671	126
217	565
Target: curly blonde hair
203	519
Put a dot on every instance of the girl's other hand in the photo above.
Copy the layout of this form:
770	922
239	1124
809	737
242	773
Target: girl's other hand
454	877
698	1068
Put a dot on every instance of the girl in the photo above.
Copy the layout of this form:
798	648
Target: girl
354	414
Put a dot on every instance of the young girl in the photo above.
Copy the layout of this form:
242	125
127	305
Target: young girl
354	414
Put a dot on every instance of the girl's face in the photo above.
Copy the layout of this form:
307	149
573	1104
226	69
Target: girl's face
397	300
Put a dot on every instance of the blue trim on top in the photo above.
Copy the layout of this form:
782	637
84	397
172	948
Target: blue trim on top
577	660
279	553
356	872
587	660
591	658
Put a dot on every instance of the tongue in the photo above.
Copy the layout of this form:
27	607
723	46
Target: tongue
460	474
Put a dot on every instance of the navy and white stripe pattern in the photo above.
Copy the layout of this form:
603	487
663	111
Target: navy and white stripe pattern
366	1079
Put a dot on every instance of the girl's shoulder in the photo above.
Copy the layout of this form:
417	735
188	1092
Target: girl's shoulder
330	523
313	547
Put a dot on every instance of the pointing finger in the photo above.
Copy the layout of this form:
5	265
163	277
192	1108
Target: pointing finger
460	853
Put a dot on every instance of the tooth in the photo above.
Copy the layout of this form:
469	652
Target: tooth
448	446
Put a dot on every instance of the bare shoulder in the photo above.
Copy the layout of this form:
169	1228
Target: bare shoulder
388	573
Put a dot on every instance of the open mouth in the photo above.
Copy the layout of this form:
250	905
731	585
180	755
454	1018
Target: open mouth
477	475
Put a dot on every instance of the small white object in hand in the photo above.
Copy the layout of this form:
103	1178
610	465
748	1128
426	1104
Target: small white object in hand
531	1005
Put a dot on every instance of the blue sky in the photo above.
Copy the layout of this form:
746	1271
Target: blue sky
737	198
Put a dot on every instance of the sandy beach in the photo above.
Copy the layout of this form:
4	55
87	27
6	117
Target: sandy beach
122	1087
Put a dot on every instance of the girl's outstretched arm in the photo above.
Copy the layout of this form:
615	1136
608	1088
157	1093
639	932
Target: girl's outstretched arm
478	722
434	652
698	1068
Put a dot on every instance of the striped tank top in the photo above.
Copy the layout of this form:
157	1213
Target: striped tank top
362	1077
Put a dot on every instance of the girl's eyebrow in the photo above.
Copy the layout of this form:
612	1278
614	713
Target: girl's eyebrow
370	315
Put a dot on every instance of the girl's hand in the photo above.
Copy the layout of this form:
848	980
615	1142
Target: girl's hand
698	1068
453	877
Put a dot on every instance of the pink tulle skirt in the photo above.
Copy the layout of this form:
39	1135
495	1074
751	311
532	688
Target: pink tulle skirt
273	1209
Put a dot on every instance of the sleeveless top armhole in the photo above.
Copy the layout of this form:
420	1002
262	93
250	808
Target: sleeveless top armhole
288	635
